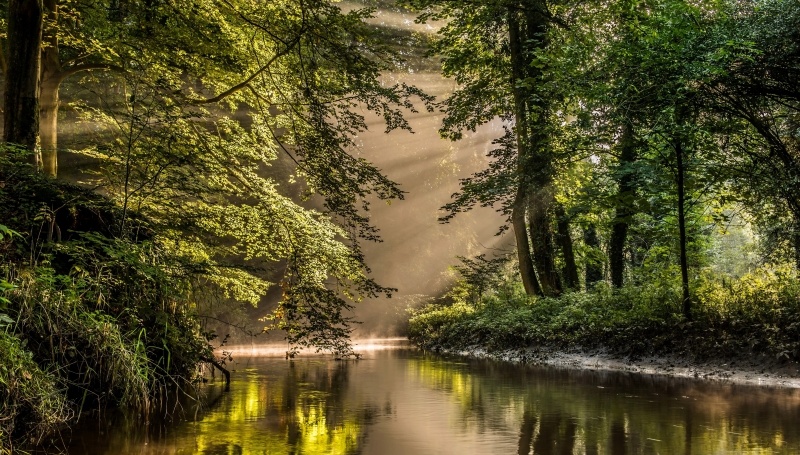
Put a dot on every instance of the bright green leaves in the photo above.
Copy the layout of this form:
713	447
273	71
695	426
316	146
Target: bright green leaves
217	104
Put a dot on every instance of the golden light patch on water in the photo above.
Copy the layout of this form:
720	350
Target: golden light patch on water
360	346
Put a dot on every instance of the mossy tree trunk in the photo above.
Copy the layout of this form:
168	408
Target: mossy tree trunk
571	280
527	27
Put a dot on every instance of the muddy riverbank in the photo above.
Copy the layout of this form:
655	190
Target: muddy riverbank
756	370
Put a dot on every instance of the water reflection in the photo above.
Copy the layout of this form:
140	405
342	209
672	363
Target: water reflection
566	412
402	402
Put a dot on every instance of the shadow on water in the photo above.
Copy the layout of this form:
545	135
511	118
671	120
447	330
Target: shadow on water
401	401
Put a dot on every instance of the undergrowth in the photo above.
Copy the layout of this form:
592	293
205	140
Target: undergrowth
756	314
90	318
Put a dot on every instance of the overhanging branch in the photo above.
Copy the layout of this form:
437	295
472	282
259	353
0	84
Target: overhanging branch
87	67
289	46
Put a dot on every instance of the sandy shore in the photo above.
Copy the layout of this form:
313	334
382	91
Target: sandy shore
754	371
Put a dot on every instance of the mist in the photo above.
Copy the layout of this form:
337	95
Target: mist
417	250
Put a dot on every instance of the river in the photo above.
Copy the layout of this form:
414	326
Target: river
397	400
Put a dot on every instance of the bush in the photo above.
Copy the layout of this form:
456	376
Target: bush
89	318
756	314
32	404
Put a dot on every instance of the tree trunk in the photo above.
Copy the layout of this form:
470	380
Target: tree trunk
687	303
796	237
526	270
48	124
526	267
48	101
571	280
533	164
594	271
21	117
624	209
540	220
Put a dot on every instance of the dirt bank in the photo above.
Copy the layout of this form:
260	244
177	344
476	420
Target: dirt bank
755	370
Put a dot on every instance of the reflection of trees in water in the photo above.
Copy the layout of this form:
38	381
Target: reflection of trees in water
315	407
300	407
556	434
312	412
560	411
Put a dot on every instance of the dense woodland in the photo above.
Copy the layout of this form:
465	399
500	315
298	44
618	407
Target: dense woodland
649	173
183	107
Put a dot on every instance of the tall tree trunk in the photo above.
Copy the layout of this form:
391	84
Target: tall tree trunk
48	101
687	303
540	220
21	117
624	210
518	215
796	239
594	271
571	280
526	270
527	32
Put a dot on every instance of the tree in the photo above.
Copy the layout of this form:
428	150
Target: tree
496	52
293	75
21	116
756	83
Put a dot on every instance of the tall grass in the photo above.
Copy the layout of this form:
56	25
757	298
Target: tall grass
33	405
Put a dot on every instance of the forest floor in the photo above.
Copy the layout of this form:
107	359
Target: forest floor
760	370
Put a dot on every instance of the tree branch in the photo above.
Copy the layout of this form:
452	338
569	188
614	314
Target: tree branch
87	67
289	46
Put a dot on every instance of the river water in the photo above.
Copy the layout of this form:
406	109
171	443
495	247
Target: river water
397	400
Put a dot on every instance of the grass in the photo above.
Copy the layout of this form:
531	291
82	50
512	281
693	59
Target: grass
89	319
32	403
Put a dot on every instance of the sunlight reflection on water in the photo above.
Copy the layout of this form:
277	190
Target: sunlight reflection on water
360	346
402	401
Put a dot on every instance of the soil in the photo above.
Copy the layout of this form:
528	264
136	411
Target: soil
753	370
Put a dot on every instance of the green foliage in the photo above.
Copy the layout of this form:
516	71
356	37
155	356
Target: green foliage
187	106
109	320
32	403
478	276
177	147
736	318
93	356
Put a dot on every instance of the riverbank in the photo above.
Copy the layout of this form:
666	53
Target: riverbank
758	370
745	330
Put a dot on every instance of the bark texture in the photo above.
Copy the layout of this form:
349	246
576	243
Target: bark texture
21	116
625	208
564	237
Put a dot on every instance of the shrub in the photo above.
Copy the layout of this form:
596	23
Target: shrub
32	404
756	314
